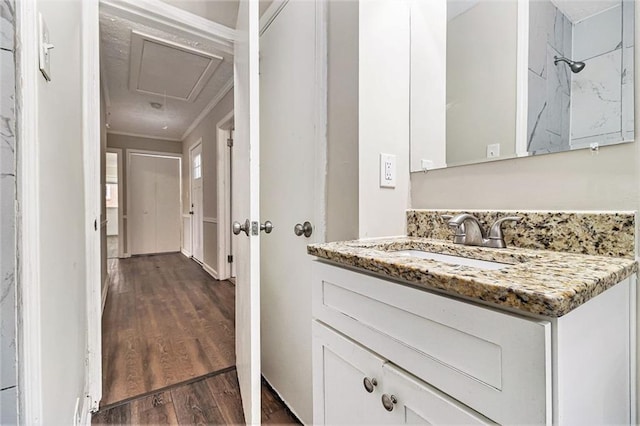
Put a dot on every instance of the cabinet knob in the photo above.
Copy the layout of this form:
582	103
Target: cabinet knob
389	401
369	384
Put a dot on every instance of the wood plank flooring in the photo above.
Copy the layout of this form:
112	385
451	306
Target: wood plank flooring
166	321
212	400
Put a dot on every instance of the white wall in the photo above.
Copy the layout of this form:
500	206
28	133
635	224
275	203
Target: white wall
62	219
383	115
342	121
481	82
206	131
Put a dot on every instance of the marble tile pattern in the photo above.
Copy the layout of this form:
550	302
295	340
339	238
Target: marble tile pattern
602	94
8	379
536	281
550	35
591	233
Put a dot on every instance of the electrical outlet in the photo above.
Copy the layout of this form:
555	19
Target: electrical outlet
493	150
387	171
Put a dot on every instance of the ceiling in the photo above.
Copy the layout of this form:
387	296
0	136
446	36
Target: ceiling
577	10
141	65
224	12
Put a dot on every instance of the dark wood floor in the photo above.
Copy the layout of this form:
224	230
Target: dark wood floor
169	347
214	400
166	321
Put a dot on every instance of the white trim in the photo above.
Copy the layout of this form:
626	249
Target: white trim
210	220
185	253
192	222
160	15
522	78
28	218
141	135
224	198
210	106
633	347
210	271
91	132
105	291
270	14
131	152
320	169
186	215
121	216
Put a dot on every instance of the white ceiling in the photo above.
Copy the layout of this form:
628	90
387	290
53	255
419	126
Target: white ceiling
174	63
577	10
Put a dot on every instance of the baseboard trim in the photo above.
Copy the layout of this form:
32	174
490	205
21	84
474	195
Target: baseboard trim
210	271
185	252
105	291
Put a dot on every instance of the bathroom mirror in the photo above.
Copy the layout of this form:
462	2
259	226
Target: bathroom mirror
492	80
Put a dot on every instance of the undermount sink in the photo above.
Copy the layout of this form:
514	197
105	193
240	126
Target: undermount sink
454	260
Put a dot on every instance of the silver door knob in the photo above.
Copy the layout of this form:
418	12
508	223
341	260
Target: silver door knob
305	229
369	384
267	227
388	401
238	227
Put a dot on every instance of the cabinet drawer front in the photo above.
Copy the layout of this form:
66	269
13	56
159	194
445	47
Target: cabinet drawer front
494	362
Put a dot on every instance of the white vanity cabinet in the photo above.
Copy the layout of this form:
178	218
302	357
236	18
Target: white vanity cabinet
437	359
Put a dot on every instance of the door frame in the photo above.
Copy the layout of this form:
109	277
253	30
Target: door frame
191	221
223	177
131	152
118	152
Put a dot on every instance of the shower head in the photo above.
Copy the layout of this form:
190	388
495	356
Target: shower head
575	67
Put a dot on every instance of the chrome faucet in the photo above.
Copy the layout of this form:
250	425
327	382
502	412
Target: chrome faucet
469	231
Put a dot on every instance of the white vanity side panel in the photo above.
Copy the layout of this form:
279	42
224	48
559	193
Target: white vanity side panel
593	363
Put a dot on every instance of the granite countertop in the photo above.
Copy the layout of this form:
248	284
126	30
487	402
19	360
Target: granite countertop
542	282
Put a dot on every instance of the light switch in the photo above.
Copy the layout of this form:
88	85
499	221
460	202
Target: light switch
387	171
44	48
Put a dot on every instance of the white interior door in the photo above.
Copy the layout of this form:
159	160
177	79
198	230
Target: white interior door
196	202
142	194
291	192
246	196
154	204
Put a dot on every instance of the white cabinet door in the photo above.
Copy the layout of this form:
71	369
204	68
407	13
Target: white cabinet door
340	367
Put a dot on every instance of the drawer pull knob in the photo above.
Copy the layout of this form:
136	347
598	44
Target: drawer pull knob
388	402
369	384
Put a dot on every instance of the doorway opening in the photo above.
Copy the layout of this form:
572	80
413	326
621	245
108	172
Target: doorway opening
113	203
195	210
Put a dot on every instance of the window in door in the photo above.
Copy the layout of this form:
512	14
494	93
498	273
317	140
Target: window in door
197	166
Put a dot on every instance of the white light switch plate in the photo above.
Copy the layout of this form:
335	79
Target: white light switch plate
387	171
493	150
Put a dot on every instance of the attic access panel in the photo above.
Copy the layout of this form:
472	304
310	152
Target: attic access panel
158	65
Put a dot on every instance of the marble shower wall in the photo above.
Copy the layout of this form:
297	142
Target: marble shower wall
602	94
8	378
550	34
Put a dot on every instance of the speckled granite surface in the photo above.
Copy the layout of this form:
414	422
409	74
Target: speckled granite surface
602	234
537	281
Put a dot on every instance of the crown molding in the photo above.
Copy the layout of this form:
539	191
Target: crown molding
165	16
140	135
210	106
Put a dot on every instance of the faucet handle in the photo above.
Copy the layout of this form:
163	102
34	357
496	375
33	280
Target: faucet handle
460	230
496	237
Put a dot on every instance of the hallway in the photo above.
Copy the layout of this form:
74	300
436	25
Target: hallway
169	346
